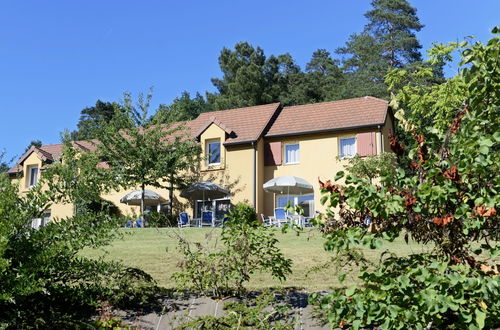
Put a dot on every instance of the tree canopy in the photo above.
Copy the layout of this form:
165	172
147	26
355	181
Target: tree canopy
445	192
148	152
93	118
249	77
387	41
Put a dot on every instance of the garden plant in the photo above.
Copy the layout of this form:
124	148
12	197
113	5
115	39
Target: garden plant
445	192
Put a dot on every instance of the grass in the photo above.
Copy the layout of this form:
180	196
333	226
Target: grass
154	251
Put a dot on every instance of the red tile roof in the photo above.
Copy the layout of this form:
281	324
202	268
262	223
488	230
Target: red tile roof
50	152
329	116
245	125
248	123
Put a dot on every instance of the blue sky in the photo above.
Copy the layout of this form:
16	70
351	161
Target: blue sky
58	57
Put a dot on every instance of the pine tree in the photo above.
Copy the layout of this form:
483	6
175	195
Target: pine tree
183	108
92	119
250	78
387	41
321	81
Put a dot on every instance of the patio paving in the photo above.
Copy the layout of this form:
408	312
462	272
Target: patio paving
180	310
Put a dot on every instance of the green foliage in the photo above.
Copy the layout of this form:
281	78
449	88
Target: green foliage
262	312
418	291
149	152
387	41
248	247
92	120
446	188
250	78
371	167
42	267
430	104
4	166
322	81
183	108
162	219
445	191
77	177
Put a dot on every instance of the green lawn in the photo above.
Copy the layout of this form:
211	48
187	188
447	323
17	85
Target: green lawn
154	251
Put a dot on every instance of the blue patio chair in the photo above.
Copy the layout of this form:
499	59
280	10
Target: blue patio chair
207	219
280	216
184	220
266	221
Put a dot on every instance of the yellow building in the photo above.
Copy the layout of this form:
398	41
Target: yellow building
246	147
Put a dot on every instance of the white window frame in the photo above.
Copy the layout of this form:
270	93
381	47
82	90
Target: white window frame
295	201
29	170
355	147
285	153
207	151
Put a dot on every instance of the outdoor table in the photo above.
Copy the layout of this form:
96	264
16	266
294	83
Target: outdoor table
298	220
196	222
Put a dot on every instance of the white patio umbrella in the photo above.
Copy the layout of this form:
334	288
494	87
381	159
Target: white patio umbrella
150	198
289	185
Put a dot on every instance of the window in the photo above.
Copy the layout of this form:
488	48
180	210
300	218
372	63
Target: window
32	175
46	218
292	153
347	148
305	201
36	223
213	152
221	207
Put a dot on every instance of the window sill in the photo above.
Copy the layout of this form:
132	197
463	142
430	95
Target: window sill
297	163
213	168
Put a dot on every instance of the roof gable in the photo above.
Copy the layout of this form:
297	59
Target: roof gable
244	125
215	121
51	152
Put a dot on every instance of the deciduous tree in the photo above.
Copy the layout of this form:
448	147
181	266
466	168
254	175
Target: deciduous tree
148	152
445	192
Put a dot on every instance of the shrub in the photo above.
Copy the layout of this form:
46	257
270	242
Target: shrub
44	282
248	247
445	192
418	291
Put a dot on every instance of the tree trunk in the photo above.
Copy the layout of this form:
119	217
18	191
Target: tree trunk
142	202
171	195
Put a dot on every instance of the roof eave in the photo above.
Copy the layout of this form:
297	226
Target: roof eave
326	130
239	142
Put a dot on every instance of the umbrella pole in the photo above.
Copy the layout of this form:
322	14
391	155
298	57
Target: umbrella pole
142	203
288	196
